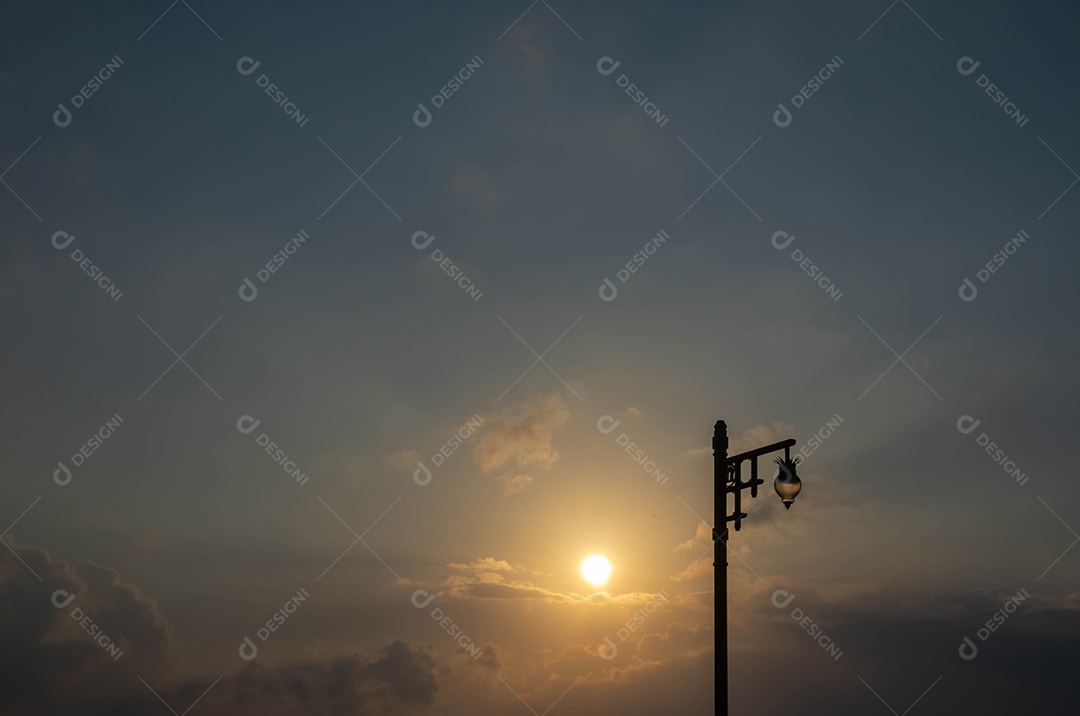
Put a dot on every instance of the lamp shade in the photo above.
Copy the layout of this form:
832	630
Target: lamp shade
787	483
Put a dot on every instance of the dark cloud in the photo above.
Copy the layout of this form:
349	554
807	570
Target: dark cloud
408	671
488	658
50	664
402	675
901	644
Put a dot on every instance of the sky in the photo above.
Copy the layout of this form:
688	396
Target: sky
335	337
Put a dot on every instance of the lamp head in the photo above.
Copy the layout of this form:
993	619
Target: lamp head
787	483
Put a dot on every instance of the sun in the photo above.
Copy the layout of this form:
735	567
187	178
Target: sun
596	569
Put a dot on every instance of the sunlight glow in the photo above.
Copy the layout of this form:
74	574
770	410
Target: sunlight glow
596	569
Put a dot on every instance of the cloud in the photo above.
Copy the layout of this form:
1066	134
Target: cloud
514	483
51	664
408	671
521	436
487	564
759	436
755	437
677	640
406	459
401	679
489	656
635	655
497	586
702	538
889	629
701	567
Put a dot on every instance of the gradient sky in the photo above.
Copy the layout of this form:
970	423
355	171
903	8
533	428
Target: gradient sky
539	178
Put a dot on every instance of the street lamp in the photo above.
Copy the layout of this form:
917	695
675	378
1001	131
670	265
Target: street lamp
727	472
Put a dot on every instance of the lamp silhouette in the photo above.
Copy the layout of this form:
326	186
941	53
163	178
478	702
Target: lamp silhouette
728	480
787	484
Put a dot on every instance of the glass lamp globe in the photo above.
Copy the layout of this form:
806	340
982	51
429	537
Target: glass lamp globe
787	483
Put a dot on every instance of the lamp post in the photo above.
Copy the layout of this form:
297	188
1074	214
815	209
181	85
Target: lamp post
727	480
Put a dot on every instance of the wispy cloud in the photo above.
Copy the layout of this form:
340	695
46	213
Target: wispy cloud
406	459
522	437
487	564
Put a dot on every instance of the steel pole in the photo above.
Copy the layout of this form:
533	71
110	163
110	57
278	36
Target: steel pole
720	538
